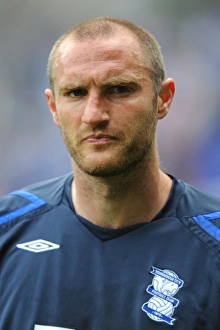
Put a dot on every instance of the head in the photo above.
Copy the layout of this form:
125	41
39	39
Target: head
108	27
107	94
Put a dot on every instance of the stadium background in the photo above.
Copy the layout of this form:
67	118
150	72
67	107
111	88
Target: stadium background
31	148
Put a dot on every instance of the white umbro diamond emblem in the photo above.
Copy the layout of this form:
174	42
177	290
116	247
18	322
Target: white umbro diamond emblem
38	245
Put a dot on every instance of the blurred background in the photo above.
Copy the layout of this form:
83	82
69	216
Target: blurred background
188	31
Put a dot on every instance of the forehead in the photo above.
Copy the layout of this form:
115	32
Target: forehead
121	41
121	49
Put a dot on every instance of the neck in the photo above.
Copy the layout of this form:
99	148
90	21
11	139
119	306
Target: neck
121	200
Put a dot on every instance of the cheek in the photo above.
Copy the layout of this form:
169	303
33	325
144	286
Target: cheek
138	114
68	117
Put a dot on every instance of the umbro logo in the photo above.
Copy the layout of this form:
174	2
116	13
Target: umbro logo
38	245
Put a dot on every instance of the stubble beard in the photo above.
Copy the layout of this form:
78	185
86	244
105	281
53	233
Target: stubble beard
125	160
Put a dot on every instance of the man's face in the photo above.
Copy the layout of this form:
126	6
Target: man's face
104	104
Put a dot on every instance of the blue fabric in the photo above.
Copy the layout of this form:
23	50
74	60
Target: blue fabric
35	202
204	221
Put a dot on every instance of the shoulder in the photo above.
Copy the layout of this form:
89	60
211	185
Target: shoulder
199	211
31	200
195	201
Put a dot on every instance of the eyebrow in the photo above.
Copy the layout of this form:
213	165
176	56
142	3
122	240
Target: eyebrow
109	82
69	87
119	81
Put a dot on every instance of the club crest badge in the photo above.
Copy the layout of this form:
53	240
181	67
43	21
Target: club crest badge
165	285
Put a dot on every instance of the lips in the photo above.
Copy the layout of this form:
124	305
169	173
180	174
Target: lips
98	139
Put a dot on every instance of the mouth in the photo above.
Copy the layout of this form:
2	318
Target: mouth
99	139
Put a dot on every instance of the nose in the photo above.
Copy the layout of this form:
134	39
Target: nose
95	111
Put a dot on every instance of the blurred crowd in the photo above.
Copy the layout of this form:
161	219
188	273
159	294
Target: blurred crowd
31	148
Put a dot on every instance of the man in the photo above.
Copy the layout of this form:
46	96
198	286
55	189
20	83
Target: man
122	245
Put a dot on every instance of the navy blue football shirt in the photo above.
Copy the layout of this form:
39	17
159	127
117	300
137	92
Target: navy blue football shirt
59	271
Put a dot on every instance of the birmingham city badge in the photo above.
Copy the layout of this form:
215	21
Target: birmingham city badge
161	306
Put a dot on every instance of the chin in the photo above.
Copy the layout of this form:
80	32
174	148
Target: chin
109	164
102	171
109	168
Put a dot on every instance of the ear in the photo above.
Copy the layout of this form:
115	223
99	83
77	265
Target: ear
52	106
165	97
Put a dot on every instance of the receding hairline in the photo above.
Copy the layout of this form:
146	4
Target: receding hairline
105	26
108	27
74	37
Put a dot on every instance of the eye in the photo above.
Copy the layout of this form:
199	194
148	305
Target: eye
120	89
76	93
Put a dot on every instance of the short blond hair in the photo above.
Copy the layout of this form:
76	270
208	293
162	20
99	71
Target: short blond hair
106	27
